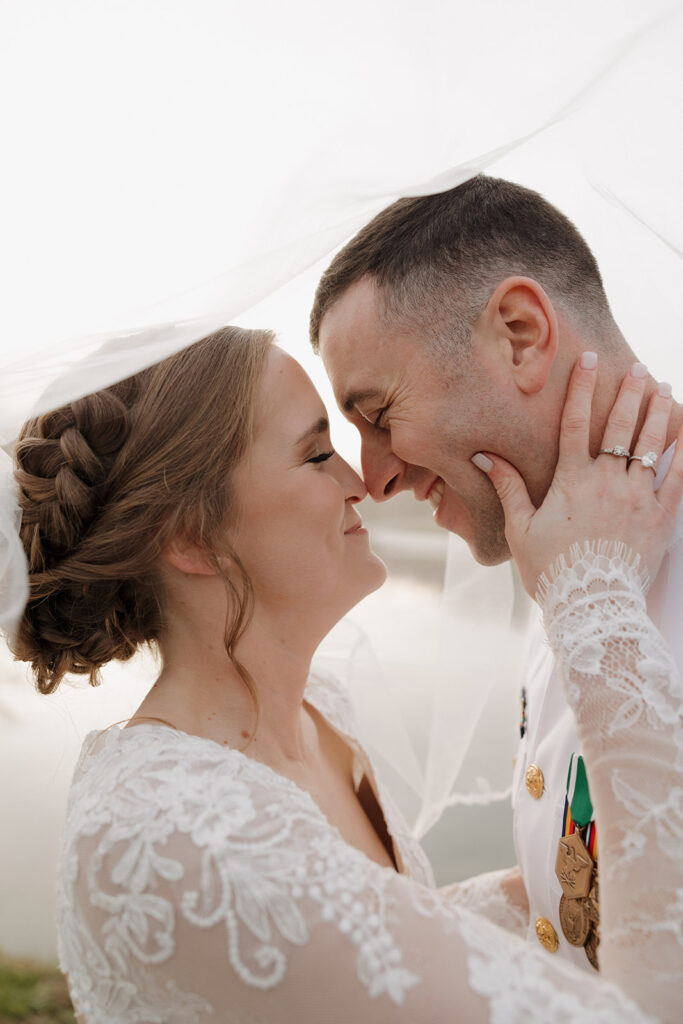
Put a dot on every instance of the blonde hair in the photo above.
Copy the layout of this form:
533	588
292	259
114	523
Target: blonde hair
107	481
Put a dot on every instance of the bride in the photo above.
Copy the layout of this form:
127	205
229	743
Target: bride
229	854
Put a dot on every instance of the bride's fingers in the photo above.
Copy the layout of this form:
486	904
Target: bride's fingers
511	491
576	415
670	493
652	437
621	422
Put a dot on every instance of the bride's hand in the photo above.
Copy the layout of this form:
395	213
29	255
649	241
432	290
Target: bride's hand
606	498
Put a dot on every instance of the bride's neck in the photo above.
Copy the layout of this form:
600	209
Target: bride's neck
201	691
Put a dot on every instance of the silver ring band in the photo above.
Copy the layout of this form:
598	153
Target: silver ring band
618	450
649	460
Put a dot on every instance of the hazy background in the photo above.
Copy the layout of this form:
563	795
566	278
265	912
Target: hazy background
155	147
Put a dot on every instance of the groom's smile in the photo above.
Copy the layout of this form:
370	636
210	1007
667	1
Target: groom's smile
420	419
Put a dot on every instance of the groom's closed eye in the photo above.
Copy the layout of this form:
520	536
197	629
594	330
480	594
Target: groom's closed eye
354	399
377	421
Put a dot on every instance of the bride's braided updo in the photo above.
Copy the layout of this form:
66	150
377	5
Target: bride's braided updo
107	481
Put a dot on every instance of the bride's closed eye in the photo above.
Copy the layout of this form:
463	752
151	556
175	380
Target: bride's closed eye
322	457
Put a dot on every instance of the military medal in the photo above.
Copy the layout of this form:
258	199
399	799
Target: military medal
576	865
591	948
575	922
592	903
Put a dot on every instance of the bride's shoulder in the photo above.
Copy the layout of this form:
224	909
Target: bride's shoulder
150	773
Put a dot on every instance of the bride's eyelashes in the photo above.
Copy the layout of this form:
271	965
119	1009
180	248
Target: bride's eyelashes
322	457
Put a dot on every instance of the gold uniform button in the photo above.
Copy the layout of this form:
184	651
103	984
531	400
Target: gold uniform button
546	934
534	780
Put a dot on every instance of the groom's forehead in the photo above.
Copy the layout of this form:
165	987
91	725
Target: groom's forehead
354	317
361	368
356	335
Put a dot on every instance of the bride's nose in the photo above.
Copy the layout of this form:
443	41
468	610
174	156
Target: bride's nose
354	488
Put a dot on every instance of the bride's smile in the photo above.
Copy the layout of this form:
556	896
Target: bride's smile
298	532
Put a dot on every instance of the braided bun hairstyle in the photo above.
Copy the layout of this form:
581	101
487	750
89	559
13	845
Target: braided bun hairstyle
107	481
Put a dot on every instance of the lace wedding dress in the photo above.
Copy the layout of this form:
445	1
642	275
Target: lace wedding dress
199	885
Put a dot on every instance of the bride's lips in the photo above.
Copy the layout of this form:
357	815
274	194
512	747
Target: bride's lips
356	529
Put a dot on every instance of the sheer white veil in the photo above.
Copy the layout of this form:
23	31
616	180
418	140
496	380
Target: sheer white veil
174	165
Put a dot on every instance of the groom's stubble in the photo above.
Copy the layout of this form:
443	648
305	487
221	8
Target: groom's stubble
444	408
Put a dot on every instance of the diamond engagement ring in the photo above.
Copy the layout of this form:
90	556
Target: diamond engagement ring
649	459
618	450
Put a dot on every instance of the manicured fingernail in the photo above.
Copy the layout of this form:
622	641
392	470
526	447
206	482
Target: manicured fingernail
482	462
664	390
639	370
589	360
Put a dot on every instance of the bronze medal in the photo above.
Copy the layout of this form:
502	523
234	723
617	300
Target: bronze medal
574	866
591	948
592	901
574	920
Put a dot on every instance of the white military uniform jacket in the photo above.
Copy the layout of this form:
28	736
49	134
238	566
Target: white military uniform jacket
550	739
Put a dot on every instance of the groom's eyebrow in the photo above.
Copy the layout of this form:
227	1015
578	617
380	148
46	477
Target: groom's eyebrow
352	398
320	427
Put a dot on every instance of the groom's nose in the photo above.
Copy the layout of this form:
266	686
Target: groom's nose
384	473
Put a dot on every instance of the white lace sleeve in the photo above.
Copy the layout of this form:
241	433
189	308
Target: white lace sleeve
199	886
627	697
499	896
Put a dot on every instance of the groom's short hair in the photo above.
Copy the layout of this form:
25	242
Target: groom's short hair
437	259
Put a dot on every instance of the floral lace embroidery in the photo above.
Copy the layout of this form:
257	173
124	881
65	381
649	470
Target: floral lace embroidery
501	969
264	849
485	896
627	697
171	837
597	624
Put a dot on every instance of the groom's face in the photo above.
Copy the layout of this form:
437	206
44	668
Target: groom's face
421	417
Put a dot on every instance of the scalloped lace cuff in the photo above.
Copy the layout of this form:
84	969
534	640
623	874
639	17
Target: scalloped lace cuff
601	563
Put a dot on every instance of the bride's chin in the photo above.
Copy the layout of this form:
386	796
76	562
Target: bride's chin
372	576
382	574
371	579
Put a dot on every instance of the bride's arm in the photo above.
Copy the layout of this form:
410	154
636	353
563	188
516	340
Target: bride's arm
627	698
251	907
619	677
499	896
236	900
237	938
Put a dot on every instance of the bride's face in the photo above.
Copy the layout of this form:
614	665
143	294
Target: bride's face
298	531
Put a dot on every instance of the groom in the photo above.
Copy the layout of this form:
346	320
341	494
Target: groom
449	326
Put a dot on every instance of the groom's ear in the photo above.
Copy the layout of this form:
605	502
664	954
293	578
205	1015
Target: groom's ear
522	323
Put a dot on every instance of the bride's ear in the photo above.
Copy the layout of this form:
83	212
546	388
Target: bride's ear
522	320
185	556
